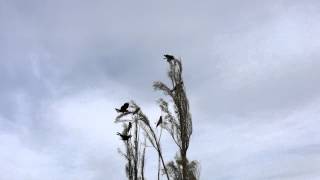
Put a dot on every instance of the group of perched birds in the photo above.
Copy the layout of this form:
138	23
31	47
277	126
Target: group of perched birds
124	108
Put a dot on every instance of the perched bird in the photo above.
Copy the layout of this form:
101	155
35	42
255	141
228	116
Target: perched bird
129	127
159	121
169	57
124	137
124	108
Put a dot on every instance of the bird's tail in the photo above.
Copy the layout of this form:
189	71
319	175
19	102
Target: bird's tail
119	134
118	110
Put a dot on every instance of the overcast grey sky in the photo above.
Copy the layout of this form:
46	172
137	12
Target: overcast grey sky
251	69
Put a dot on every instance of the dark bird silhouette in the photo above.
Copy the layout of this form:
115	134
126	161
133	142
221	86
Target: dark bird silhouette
124	137
124	108
159	121
129	127
169	57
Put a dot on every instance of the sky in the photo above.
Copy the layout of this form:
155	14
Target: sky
251	70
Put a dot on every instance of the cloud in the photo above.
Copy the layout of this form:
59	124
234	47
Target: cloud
250	68
70	139
261	148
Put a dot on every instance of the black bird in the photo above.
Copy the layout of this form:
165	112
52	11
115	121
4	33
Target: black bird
129	127
169	57
159	121
124	108
124	137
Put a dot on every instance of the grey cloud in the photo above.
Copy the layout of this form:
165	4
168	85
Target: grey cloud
251	71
